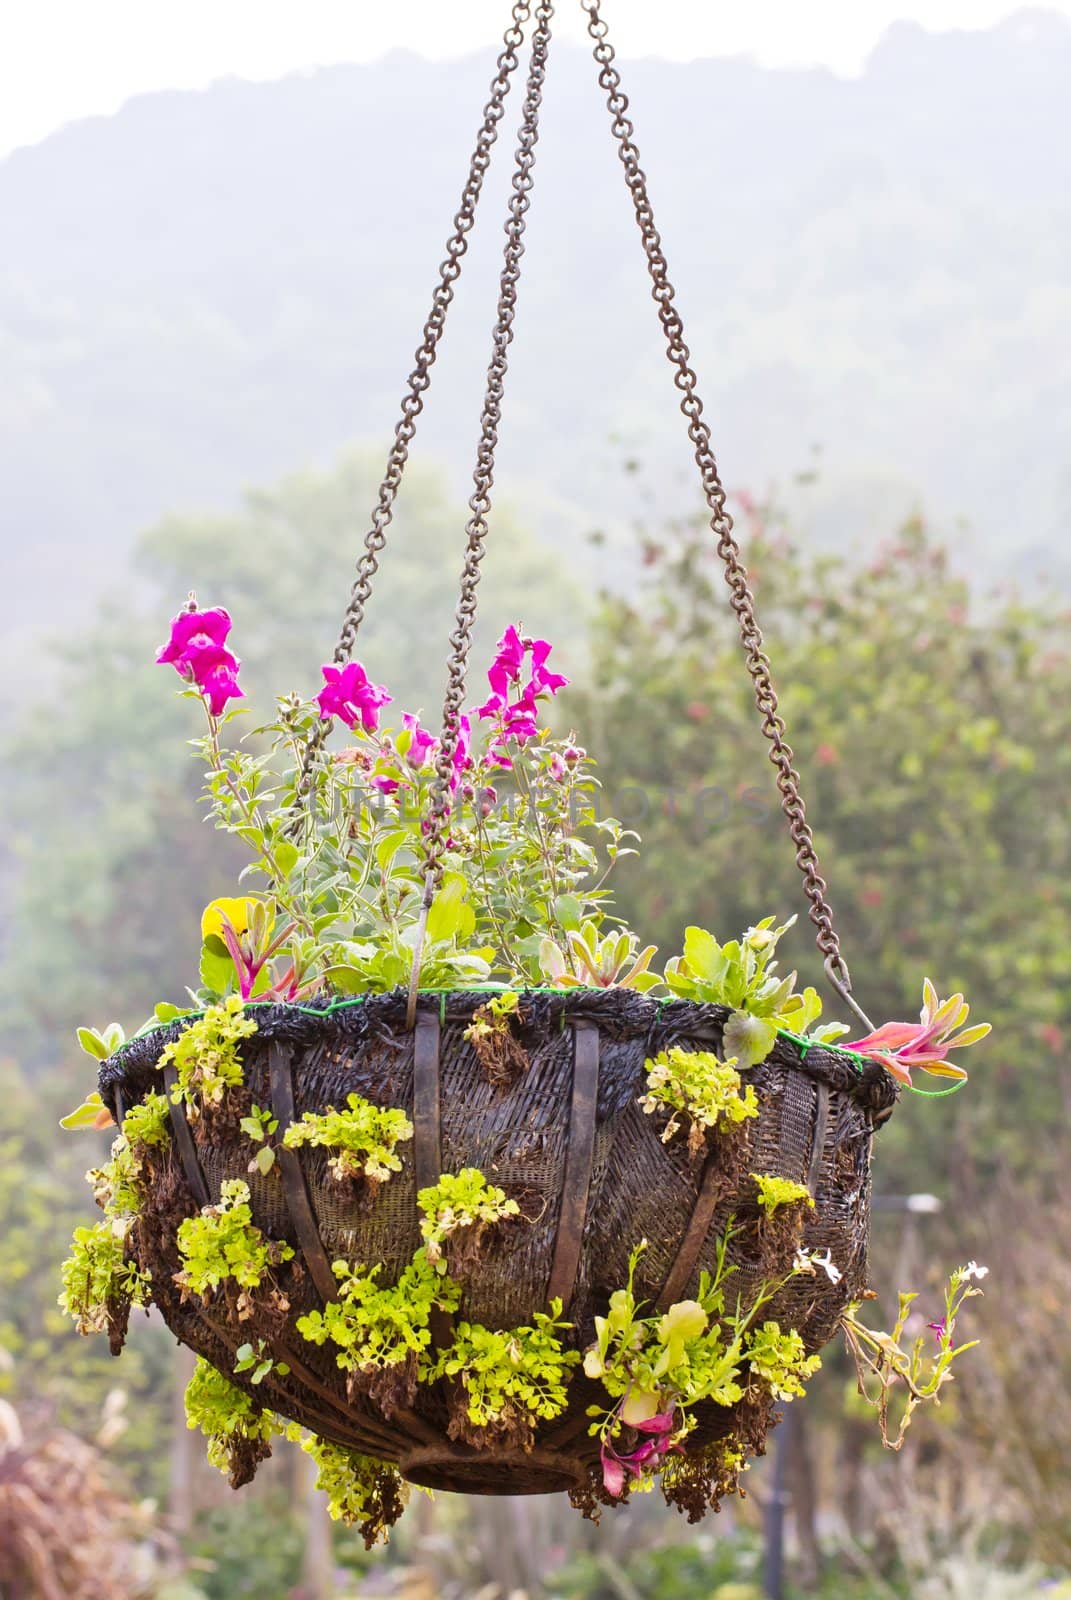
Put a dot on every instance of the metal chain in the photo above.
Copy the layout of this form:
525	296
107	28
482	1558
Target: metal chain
483	477
420	377
741	599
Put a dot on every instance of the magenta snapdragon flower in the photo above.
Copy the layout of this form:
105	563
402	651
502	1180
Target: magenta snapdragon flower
216	675
512	703
462	749
421	742
349	695
197	651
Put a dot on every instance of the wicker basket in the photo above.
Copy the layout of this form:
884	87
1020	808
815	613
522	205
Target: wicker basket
567	1139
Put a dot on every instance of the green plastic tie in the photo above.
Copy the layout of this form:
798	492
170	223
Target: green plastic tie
938	1094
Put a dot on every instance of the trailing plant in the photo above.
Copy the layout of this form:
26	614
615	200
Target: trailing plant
364	1138
361	1492
657	1368
458	1211
222	1245
239	1432
206	1055
510	1380
695	1087
491	1036
381	1335
100	1281
891	1366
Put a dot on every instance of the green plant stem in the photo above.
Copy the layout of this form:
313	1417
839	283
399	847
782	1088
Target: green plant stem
252	819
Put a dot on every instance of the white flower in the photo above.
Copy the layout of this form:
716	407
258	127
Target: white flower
829	1267
973	1270
810	1261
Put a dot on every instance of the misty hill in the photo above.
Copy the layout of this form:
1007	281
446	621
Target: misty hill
207	290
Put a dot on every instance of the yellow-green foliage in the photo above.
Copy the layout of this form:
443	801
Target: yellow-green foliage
774	1192
360	1491
223	1244
695	1085
98	1278
225	1414
364	1138
148	1122
373	1327
463	1201
206	1055
524	1370
780	1360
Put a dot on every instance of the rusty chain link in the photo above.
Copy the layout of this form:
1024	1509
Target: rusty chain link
741	599
483	476
420	377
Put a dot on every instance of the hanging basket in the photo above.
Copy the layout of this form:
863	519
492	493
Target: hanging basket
567	1139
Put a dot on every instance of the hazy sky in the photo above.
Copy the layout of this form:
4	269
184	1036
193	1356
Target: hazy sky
63	59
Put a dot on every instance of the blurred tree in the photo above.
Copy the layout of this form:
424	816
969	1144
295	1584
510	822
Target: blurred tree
933	728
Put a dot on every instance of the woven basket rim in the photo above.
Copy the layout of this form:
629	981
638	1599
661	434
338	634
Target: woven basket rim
620	1013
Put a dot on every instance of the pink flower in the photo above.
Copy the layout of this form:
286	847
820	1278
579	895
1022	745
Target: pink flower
385	784
421	742
902	1046
645	1457
192	633
557	768
197	652
512	706
349	695
940	1329
216	674
509	659
544	682
462	758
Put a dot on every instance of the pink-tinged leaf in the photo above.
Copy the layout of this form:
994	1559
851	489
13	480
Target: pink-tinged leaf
234	946
890	1036
613	1476
893	1065
662	1423
960	1041
948	1015
943	1069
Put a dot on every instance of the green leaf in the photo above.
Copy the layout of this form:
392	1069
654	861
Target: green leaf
348	979
265	1159
449	912
217	968
166	1012
388	848
86	1114
567	912
93	1044
749	1039
286	856
704	955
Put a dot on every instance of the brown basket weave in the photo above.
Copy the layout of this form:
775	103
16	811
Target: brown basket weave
567	1139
